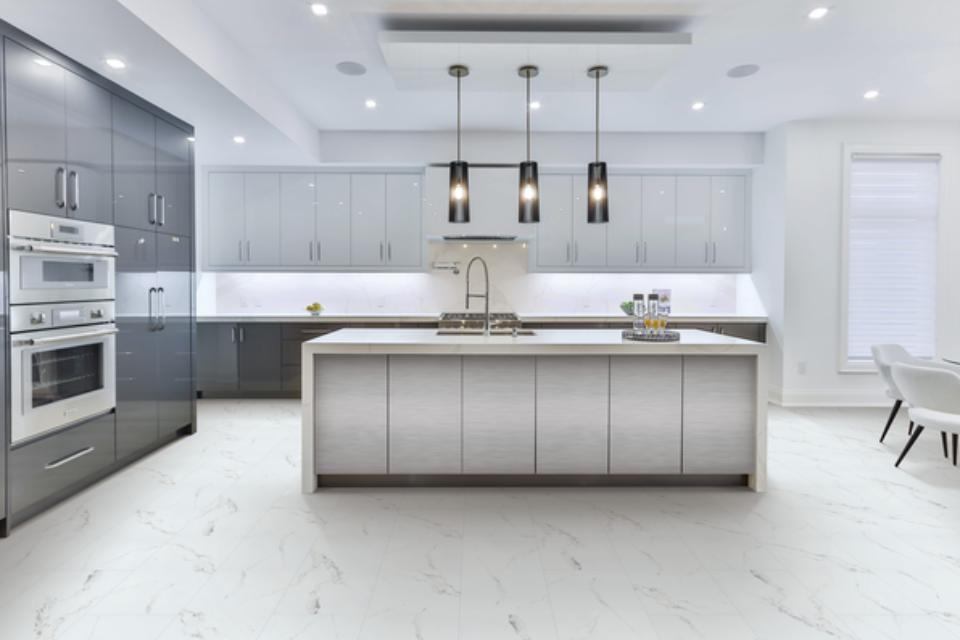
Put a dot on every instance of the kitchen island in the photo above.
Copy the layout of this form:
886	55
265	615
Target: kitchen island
409	406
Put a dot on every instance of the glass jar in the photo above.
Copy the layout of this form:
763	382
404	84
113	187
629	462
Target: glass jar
639	312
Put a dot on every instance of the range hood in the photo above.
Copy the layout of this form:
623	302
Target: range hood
477	237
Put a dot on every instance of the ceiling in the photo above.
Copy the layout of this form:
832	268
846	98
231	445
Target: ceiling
266	68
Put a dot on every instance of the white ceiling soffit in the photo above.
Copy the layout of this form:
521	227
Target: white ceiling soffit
187	27
418	60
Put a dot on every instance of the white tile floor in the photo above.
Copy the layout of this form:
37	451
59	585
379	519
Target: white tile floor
210	538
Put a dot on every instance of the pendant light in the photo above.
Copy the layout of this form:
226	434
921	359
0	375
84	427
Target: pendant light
529	175
459	178
598	204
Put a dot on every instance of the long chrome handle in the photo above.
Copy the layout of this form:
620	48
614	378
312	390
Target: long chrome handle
319	251
151	322
233	335
644	252
310	249
152	208
389	252
66	338
714	253
240	250
59	462
60	187
75	198
161	308
636	252
162	210
51	248
381	252
706	252
243	335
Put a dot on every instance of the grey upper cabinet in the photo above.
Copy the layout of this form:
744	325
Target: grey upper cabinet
58	139
314	219
624	235
693	221
728	221
333	219
368	219
153	172
554	232
261	211
225	225
404	239
589	239
658	247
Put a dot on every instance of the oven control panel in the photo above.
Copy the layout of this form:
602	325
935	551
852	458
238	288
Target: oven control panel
35	317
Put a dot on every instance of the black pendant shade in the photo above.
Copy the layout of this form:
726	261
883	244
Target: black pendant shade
529	193
459	192
598	204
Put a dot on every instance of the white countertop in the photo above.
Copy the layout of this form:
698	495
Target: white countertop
544	342
415	318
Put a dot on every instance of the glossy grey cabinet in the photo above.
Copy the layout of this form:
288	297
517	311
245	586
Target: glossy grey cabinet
235	359
58	139
153	171
155	340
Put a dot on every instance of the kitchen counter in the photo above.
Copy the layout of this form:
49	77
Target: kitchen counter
421	318
409	406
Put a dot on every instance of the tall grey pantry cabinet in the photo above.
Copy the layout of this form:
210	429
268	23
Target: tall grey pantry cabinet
77	145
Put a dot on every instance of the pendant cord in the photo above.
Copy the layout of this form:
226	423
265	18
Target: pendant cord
528	117
598	119
458	118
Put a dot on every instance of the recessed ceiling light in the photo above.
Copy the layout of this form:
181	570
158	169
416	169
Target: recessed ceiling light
43	62
318	9
191	139
116	63
239	139
370	103
818	13
698	105
350	68
534	105
743	70
872	94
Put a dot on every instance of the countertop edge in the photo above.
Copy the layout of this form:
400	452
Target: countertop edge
413	319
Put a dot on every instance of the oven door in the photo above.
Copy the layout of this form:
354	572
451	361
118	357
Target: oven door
60	377
50	272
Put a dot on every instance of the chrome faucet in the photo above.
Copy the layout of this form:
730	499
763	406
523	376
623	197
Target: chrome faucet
485	295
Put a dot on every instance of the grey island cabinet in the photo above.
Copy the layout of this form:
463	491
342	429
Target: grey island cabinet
409	406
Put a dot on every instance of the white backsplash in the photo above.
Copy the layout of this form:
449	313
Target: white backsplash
513	288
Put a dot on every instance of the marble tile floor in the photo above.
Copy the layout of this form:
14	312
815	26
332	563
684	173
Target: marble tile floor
210	538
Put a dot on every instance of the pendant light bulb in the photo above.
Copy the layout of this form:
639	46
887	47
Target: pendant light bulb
529	205
598	204
459	170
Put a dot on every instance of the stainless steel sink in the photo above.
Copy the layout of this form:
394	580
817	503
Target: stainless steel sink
479	332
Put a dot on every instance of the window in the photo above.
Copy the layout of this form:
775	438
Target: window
891	261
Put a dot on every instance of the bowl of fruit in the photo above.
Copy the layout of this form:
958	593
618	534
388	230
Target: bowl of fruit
315	308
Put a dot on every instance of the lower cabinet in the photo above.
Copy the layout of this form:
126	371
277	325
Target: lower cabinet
499	414
239	359
424	414
572	401
351	414
646	414
43	468
719	414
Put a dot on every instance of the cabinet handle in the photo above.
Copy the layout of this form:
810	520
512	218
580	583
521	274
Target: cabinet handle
75	198
389	252
152	216
714	253
162	210
161	311
59	462
233	335
319	251
60	187
151	322
243	335
706	252
310	250
248	251
644	252
240	250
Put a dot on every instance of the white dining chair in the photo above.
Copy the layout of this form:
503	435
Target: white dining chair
884	356
933	395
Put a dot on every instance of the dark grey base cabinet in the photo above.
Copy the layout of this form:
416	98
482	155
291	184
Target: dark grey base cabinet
239	360
46	467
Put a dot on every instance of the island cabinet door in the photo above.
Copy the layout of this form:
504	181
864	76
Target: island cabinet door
719	414
499	414
350	414
425	414
645	414
572	414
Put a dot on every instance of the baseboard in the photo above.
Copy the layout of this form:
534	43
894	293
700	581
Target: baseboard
775	396
832	398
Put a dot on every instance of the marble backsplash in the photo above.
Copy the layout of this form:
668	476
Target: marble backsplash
513	288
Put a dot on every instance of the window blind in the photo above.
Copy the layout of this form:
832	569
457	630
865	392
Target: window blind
892	260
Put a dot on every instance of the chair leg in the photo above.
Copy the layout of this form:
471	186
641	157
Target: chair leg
910	428
943	439
893	414
956	445
906	449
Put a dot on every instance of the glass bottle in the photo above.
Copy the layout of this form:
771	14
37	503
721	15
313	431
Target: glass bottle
639	311
652	318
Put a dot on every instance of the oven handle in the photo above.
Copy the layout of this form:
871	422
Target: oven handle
45	248
68	458
65	338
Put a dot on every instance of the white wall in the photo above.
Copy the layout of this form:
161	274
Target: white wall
810	204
